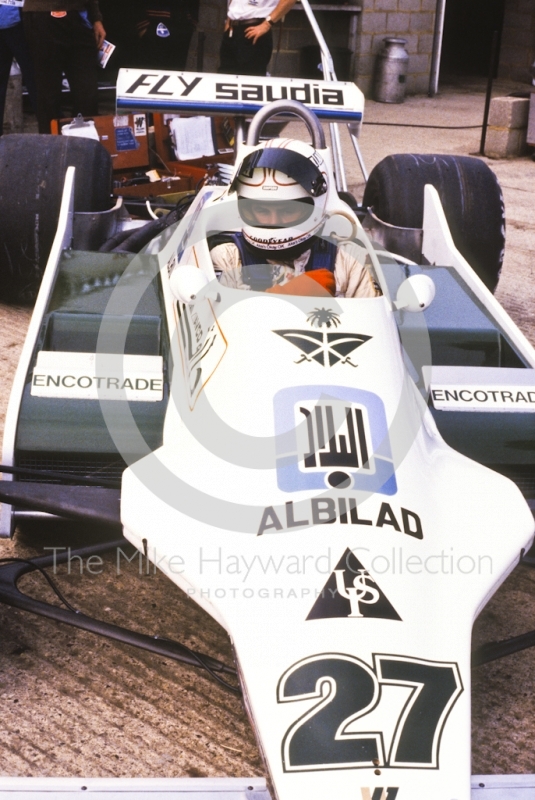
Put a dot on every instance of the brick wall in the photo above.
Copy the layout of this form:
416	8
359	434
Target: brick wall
518	40
413	20
295	34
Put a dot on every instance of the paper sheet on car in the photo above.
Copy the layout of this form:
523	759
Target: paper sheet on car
210	93
192	137
98	376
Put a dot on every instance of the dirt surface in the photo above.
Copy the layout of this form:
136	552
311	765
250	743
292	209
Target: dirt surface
76	705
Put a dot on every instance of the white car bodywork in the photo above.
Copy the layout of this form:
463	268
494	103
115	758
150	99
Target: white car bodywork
350	609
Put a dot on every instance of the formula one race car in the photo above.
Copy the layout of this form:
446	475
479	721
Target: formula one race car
346	451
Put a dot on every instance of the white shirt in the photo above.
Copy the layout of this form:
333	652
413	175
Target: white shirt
250	9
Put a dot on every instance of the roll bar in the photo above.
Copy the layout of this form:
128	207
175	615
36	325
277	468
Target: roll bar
287	107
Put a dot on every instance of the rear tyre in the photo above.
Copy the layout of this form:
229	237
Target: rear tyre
469	192
32	174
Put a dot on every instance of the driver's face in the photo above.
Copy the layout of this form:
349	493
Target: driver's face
275	213
268	215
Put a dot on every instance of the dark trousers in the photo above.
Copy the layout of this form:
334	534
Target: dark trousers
13	45
66	44
238	56
169	52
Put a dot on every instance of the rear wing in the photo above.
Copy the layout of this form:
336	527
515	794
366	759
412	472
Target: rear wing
212	94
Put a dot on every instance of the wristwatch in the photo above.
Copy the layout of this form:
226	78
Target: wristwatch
269	20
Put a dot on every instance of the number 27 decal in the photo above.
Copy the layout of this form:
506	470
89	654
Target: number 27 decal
349	689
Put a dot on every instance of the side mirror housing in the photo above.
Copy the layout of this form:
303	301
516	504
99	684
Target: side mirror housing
340	225
415	293
186	281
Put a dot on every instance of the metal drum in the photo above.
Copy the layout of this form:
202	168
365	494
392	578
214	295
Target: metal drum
391	71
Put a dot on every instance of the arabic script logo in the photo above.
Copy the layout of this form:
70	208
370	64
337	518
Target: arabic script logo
328	447
343	443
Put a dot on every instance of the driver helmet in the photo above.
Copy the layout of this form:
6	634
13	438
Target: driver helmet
282	189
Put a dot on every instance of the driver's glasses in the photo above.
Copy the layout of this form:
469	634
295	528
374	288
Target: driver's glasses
275	213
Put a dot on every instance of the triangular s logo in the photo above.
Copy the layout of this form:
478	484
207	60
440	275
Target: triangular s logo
352	592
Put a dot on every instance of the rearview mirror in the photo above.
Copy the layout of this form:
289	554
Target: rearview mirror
186	282
415	293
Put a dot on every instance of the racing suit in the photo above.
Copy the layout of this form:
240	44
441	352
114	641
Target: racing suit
352	278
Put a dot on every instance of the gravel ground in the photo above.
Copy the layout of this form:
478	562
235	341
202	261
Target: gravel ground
76	705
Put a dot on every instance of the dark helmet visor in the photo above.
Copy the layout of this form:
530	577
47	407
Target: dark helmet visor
296	166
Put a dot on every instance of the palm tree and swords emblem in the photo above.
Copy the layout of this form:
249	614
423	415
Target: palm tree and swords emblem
326	348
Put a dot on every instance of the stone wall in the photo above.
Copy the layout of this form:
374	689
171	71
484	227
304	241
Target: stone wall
518	40
212	14
413	20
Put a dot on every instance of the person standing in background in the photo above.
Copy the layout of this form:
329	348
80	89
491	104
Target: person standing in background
64	37
164	28
247	39
13	45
